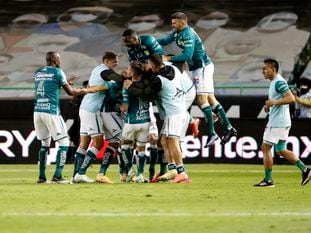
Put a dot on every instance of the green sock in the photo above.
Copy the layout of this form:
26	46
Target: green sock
301	165
268	174
78	160
43	153
107	159
60	160
220	112
207	110
88	160
127	156
162	162
141	162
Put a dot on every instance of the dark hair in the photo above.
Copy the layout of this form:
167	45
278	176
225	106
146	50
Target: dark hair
179	15
137	67
272	62
109	55
129	32
50	57
156	59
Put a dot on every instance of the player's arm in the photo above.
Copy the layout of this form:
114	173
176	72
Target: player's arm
166	40
97	88
187	52
71	90
288	96
153	46
305	102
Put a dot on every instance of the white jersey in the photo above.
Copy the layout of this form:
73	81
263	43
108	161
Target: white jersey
92	102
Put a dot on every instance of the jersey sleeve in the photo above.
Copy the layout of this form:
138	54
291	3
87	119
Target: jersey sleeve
62	78
281	87
187	52
166	40
154	46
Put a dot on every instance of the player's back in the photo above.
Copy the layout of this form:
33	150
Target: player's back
48	82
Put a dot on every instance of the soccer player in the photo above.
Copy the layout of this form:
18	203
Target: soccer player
47	119
279	123
92	122
137	120
202	68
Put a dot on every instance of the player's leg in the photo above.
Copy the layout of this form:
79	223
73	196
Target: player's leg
81	153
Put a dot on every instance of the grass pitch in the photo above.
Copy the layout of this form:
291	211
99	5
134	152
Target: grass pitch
221	198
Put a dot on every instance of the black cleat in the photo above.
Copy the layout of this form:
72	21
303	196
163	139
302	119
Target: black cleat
59	180
211	140
265	183
306	177
228	135
42	180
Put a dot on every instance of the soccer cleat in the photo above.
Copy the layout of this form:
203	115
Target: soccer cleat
151	174
43	180
141	179
59	180
211	140
228	135
103	179
131	176
182	178
265	183
123	178
306	177
168	176
156	178
195	127
82	179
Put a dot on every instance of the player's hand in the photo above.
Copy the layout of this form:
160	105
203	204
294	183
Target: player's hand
266	108
270	103
127	83
166	58
72	79
153	138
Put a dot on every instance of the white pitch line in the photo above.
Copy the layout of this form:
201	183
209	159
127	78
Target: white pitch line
105	214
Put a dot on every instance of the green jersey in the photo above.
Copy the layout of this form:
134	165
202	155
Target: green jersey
193	51
48	82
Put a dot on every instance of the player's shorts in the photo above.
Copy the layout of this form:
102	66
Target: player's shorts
272	136
91	123
174	126
49	125
112	123
203	79
136	132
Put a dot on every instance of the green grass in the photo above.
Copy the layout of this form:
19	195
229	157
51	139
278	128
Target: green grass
221	198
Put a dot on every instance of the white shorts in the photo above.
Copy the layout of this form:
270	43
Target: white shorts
91	123
175	125
49	125
112	123
203	79
136	132
272	136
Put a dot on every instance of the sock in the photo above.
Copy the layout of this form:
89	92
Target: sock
162	162
207	110
191	120
43	153
153	157
60	160
127	156
108	155
141	162
301	165
122	167
180	168
88	160
268	174
220	112
78	159
171	166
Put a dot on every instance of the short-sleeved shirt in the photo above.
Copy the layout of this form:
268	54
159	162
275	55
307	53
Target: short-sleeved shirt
48	82
279	115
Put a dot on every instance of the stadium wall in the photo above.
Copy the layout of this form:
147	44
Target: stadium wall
18	144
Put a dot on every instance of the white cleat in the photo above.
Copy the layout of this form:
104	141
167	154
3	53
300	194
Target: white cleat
168	176
82	179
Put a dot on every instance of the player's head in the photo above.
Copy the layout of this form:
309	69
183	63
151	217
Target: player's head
130	38
110	59
52	59
179	21
136	69
156	62
270	68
